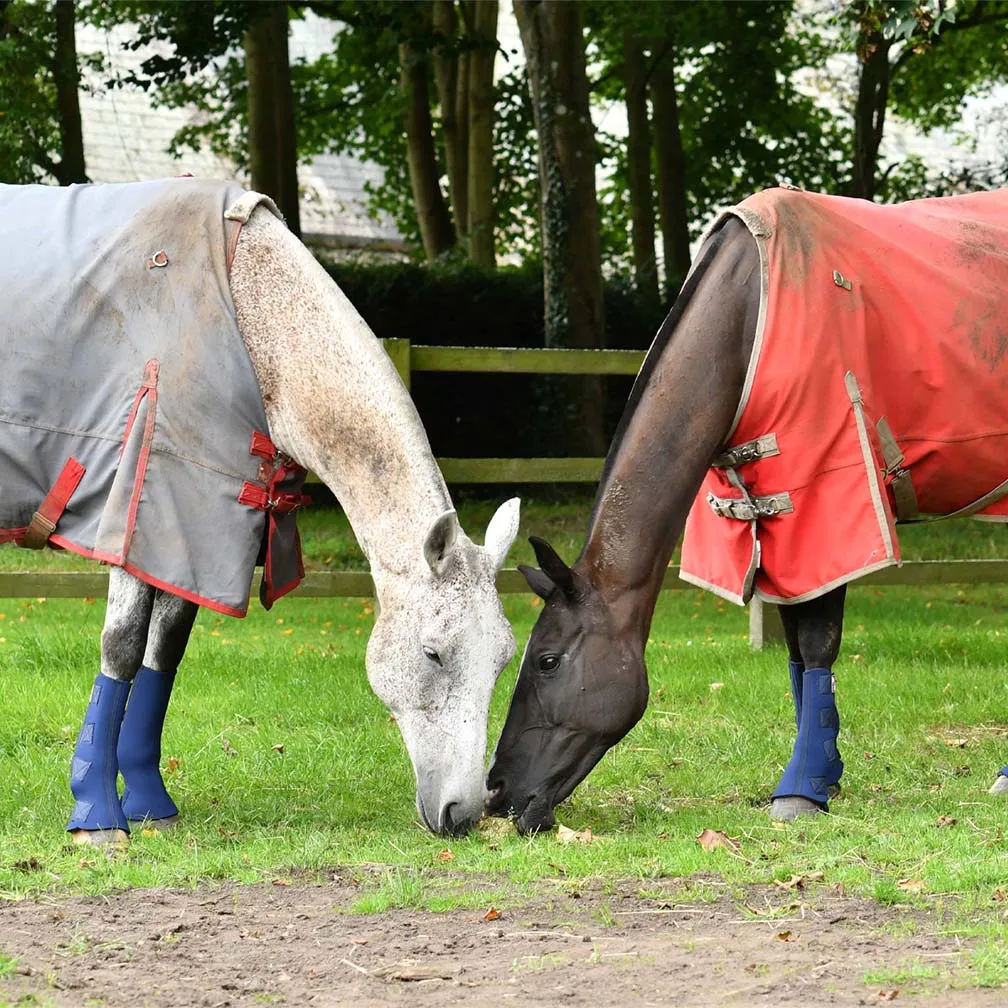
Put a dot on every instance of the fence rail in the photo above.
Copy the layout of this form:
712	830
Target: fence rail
513	360
765	626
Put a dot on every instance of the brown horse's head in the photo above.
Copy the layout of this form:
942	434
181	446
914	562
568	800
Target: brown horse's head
581	687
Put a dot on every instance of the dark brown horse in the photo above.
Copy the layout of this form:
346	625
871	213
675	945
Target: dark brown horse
583	682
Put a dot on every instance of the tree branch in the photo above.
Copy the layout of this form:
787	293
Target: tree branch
975	19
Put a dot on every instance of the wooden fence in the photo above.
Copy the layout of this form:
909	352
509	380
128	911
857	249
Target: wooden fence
764	620
507	360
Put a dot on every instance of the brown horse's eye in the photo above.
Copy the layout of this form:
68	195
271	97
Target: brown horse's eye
548	662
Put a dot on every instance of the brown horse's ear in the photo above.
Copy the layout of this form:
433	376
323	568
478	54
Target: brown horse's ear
539	582
549	560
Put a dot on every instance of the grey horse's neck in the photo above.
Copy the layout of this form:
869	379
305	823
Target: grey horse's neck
333	399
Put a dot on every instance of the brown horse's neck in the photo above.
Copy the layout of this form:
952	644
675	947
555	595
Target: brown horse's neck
678	416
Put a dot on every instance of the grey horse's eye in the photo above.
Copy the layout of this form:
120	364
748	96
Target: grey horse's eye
432	654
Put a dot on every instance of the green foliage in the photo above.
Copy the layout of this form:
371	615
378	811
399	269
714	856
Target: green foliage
745	125
30	145
940	56
959	60
193	64
29	131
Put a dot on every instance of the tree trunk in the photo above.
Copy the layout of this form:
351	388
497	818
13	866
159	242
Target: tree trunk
462	90
66	77
642	215
272	136
671	175
436	229
446	73
552	37
481	130
286	127
870	109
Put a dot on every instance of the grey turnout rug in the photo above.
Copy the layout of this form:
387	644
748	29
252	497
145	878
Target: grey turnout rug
132	428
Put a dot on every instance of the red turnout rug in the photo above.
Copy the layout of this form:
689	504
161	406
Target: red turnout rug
877	391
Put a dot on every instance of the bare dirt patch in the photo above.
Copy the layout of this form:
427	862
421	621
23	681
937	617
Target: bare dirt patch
293	943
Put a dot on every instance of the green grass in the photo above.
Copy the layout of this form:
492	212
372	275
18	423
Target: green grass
924	708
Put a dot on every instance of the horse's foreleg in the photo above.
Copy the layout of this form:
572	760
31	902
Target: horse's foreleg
813	631
97	815
145	798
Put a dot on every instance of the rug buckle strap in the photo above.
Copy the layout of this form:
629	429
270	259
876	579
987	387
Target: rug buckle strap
43	522
753	508
896	475
764	446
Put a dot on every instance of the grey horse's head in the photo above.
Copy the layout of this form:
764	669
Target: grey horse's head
440	642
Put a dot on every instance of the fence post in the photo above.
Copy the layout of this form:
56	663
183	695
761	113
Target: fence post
398	350
765	626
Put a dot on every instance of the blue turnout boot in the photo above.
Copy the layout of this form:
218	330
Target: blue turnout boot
94	769
1000	785
815	765
145	798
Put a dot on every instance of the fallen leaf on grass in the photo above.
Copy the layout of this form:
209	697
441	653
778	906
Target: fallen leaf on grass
492	914
172	764
1000	895
884	995
785	936
710	839
910	885
278	748
281	882
446	855
947	820
797	881
839	889
566	835
228	748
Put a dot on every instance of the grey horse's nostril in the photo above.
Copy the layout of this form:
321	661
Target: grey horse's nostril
448	824
454	822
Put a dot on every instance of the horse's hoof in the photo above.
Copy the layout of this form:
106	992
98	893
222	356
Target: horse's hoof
161	825
100	837
1000	786
789	809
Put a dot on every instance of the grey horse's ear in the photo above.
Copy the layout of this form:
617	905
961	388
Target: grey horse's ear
501	532
539	582
559	573
440	539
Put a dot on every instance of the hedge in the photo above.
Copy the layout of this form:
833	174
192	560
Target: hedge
476	415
